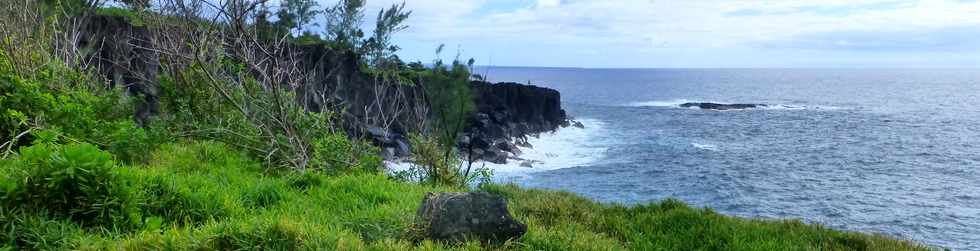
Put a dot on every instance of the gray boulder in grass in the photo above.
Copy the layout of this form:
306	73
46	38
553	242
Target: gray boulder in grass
459	217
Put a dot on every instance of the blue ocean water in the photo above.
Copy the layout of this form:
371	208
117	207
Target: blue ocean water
893	151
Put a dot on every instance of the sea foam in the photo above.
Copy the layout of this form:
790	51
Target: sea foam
564	148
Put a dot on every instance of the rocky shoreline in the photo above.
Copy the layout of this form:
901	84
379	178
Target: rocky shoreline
506	113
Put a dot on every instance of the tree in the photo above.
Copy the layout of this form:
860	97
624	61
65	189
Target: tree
296	14
380	47
344	21
137	4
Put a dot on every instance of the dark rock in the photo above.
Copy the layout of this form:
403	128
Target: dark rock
495	156
721	107
528	164
507	113
378	132
578	124
388	153
122	53
523	143
479	143
459	217
506	146
403	148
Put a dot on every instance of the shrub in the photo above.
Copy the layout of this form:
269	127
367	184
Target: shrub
437	164
432	164
65	102
335	153
77	182
133	144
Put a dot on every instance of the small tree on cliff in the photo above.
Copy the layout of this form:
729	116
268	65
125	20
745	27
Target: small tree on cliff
344	21
380	48
297	14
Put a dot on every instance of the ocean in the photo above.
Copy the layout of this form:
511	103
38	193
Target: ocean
890	151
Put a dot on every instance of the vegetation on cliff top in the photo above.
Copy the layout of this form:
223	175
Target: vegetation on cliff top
232	162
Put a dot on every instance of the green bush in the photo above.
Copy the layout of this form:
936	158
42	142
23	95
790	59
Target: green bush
76	182
65	102
431	162
335	153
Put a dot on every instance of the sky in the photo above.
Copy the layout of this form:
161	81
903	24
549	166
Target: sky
693	33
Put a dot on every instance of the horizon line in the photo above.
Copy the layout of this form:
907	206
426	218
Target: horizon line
740	68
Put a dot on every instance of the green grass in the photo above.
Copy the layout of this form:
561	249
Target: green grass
204	196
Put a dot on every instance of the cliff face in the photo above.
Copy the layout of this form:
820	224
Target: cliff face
120	51
385	114
506	114
523	108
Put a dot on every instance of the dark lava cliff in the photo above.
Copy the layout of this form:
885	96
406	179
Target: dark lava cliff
506	113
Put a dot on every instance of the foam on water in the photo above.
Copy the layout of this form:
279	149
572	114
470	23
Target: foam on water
660	103
708	147
565	148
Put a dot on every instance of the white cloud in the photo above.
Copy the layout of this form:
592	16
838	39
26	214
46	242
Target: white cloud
655	26
548	3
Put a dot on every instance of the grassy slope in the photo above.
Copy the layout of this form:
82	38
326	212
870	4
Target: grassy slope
214	198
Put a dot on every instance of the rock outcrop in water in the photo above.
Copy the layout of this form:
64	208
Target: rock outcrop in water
722	107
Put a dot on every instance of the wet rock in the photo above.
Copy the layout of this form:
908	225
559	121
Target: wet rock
458	217
506	146
495	156
722	107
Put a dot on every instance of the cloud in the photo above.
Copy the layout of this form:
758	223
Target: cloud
846	9
548	3
947	39
508	30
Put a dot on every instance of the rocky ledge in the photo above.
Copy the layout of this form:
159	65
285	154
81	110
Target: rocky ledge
506	114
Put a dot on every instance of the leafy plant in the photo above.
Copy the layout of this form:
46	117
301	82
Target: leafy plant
76	182
59	101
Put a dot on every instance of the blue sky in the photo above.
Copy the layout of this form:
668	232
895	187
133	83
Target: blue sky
694	33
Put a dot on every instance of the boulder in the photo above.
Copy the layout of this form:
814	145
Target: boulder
403	149
458	217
